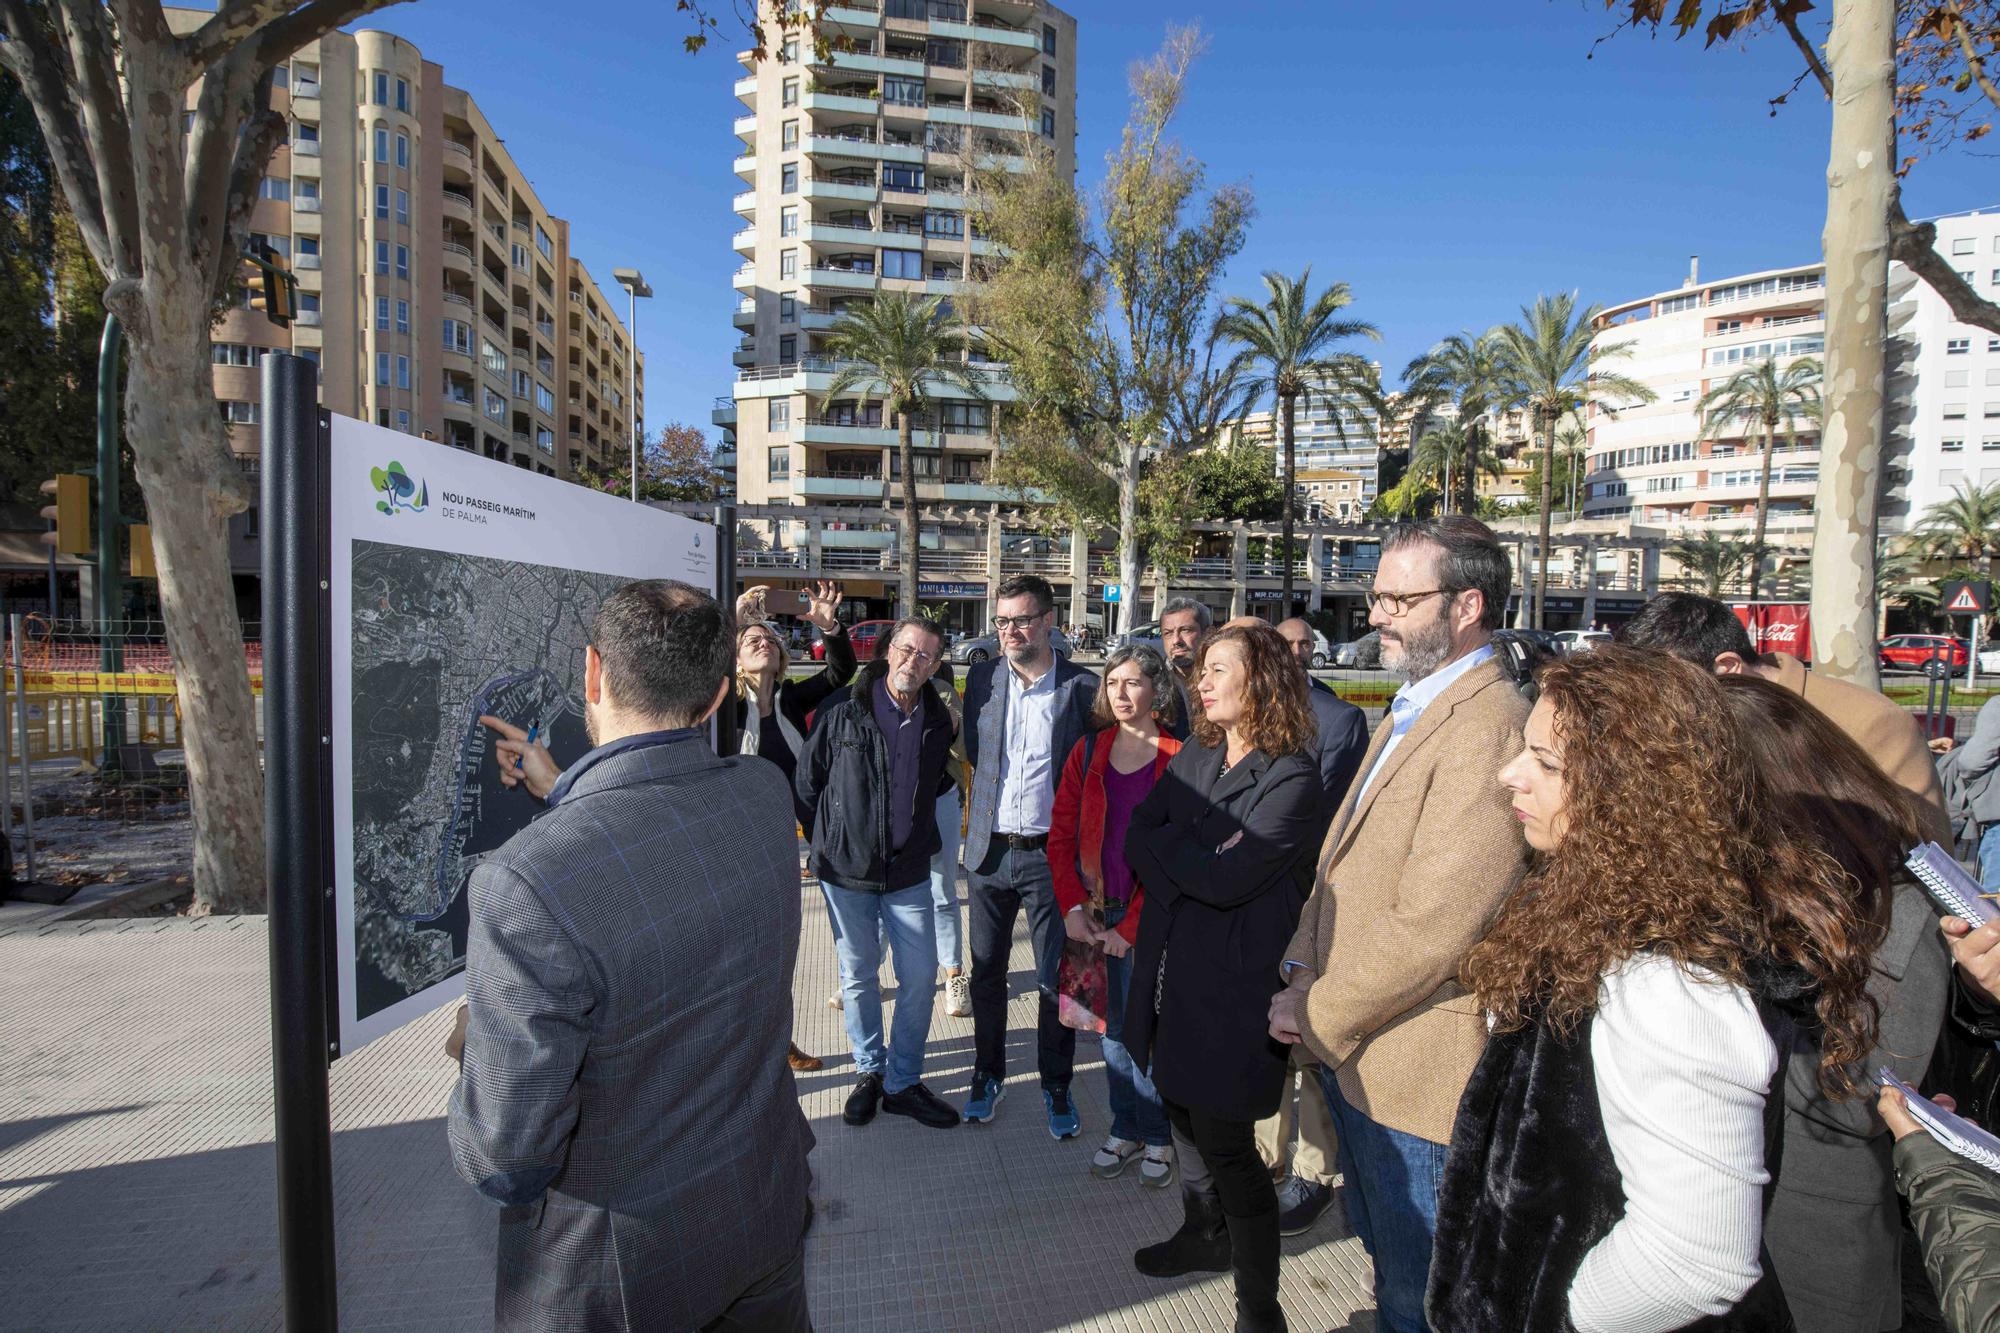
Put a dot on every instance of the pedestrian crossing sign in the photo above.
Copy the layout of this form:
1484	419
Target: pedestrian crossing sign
1966	597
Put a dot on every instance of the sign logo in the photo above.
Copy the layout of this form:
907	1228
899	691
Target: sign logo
401	490
1966	597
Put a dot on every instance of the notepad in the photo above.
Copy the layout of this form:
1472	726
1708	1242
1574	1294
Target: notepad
1956	891
1953	1131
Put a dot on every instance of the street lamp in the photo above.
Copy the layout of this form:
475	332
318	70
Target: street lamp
635	287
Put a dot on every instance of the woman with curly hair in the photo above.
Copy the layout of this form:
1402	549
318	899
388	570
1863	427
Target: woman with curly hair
1832	1229
1224	844
1646	983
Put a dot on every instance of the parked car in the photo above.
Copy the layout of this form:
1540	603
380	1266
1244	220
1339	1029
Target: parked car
1916	652
1363	652
968	651
861	635
1580	640
1322	651
1148	634
1989	661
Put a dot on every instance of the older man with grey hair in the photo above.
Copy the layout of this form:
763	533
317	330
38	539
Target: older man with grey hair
1184	623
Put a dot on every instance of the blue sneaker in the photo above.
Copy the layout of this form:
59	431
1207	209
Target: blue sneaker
1063	1120
987	1093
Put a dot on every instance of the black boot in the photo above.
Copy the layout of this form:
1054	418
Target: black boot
1200	1246
1253	1259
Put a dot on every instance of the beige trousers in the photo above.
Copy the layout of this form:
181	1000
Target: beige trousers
1313	1159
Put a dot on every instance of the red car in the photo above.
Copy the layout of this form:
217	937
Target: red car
862	636
1915	652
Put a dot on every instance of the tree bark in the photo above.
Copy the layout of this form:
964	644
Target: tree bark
1861	188
1763	509
1290	404
1475	436
1549	419
911	535
1128	537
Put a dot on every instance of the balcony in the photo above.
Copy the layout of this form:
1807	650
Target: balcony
826	103
818	430
847	278
987	31
856	146
309	318
305	148
851	486
744	242
453	298
867	62
827	233
745	90
745	278
305	204
305	90
457	205
745	353
723	413
457	256
817	318
454	148
746	166
745	203
828	187
987	120
1000	78
306	263
745	313
853	14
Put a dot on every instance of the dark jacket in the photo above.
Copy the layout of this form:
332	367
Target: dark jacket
1343	740
1220	921
796	701
843	779
986	739
1955	1208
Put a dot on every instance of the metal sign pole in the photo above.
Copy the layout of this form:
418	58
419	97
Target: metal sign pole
21	734
296	861
720	735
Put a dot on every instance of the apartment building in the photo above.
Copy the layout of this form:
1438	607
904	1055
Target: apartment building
437	291
1332	431
853	174
1944	382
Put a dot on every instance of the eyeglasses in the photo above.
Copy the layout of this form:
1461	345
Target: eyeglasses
1398	604
1016	622
908	653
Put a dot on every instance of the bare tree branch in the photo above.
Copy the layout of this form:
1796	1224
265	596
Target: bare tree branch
212	148
86	28
308	23
1962	31
30	55
1806	49
254	146
234	21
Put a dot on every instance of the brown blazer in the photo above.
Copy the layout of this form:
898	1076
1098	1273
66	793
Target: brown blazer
1881	727
1408	882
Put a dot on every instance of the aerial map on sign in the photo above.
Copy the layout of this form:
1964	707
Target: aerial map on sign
438	639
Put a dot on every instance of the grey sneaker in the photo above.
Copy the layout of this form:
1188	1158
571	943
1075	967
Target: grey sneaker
1156	1168
1112	1159
1300	1202
958	996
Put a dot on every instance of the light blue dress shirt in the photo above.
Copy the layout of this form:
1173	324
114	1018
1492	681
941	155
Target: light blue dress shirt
1027	760
1412	699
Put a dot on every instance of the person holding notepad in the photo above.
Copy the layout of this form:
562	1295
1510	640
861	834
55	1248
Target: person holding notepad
1955	1208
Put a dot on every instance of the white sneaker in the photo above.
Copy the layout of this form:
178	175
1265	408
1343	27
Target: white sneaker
958	996
1112	1159
1156	1167
834	1001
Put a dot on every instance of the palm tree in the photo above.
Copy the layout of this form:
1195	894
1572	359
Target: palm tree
1713	560
1548	366
900	346
1292	341
1462	370
1763	393
1901	577
1453	445
1570	439
1963	526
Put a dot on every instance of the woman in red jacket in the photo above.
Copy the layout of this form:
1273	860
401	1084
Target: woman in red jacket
1107	774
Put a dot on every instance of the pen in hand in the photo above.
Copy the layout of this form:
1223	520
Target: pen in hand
533	731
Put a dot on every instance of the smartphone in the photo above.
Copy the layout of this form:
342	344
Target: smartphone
782	602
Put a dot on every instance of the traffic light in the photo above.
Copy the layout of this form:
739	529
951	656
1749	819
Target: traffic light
70	513
273	289
142	566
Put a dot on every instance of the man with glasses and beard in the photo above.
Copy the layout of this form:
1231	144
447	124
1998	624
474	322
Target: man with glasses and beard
872	767
1024	711
1422	853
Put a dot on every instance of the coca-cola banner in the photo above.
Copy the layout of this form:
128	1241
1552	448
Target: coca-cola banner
1778	627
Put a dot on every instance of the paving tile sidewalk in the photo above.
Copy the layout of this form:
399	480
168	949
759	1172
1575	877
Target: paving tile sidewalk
136	1166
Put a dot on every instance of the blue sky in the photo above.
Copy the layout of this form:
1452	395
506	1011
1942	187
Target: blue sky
1447	160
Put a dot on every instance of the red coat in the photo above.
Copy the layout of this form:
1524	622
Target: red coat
1076	828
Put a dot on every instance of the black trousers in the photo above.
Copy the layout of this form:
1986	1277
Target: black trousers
1249	1200
775	1304
999	887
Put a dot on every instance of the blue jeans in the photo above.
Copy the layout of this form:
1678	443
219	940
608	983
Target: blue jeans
1989	859
944	885
860	918
1391	1194
1136	1112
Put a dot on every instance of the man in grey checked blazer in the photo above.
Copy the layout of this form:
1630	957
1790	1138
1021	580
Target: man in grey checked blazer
622	1094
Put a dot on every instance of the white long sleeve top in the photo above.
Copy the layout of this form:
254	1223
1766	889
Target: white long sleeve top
1682	1067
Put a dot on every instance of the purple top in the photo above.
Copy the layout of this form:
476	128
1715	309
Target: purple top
905	734
1122	794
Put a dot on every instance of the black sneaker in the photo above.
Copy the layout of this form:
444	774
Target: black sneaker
921	1105
862	1101
1300	1203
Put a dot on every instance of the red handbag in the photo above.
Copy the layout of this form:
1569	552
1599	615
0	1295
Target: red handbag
1082	985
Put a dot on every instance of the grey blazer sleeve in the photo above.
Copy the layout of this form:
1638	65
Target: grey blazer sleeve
1980	754
531	995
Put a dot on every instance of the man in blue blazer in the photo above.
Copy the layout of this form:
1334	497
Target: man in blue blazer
1024	711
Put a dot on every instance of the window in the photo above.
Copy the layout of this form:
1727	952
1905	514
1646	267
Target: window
381	144
1048	39
403	207
788	93
236	354
311	354
239	414
788	135
1674	305
899	90
402	94
309	303
492	403
1991	444
778	414
788	221
544	244
788	54
403	151
937	223
1990	410
1963	245
381	314
788	178
781	463
277	245
402	372
545	439
458	337
1048	123
382	369
303	133
403	420
1957	346
545	399
788	263
1951	446
902	263
402	261
402	316
788	348
281	76
897	176
961	417
941	138
382	258
1957	379
788	309
492	357
306	188
1954	411
1048	80
275	187
382	202
381	90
